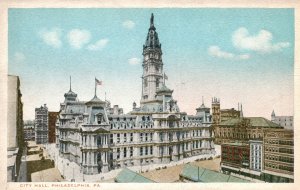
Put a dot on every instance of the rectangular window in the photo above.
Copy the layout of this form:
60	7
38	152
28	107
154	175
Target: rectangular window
111	138
131	151
125	152
151	150
146	150
141	151
118	153
118	138
146	137
141	137
131	137
151	136
125	137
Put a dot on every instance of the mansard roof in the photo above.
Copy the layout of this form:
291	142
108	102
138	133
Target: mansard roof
254	122
96	100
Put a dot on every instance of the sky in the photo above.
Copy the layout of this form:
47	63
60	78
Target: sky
238	55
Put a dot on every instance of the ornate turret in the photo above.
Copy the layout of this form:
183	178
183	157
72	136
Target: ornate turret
273	116
70	96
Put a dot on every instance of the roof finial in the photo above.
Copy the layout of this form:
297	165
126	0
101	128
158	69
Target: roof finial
241	112
70	83
152	19
202	101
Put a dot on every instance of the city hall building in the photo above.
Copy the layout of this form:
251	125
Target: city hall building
100	138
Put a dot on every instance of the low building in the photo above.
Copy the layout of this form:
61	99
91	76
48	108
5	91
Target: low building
52	117
41	125
278	155
48	175
191	173
129	176
29	132
285	121
235	158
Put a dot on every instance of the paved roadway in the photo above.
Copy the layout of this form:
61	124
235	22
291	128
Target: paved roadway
22	177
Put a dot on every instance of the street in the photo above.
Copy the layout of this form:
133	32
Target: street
22	177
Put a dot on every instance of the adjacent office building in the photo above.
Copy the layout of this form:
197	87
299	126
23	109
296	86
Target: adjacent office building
41	125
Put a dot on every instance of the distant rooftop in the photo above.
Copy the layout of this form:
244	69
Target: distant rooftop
254	121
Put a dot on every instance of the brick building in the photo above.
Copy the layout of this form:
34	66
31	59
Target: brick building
52	117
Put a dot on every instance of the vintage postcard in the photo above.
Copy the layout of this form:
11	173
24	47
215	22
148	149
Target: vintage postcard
109	96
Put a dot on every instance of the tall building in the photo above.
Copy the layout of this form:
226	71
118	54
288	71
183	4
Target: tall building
29	132
100	138
41	125
285	121
52	117
15	141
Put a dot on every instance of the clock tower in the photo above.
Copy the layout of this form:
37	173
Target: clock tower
152	78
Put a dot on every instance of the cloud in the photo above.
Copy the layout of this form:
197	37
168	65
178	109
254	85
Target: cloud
99	45
77	38
261	42
215	51
129	24
19	57
51	37
134	61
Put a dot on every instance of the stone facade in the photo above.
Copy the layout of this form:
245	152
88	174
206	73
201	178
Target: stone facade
41	125
100	138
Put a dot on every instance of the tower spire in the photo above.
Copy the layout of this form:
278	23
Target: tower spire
70	83
152	20
202	101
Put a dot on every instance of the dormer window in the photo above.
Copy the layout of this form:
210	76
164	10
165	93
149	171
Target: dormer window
99	118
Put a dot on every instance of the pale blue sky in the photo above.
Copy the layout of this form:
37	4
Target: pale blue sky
239	55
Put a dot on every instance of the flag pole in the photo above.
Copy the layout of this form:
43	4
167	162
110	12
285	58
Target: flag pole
95	88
